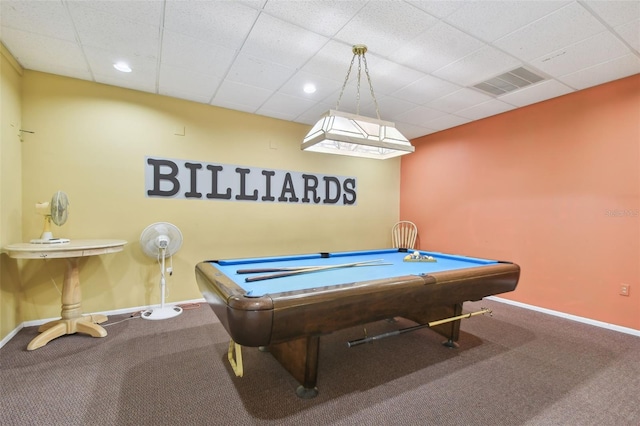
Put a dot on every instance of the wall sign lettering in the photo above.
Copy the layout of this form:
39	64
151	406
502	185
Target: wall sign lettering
172	178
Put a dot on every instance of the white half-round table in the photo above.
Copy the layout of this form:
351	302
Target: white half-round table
71	321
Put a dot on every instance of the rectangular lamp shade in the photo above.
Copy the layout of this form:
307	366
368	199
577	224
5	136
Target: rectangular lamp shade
357	136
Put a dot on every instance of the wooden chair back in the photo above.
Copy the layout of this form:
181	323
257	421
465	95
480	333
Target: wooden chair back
404	235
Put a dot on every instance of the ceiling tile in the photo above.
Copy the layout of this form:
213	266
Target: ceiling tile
630	33
436	47
224	23
561	28
255	55
478	66
259	73
139	85
324	17
287	107
385	26
424	90
505	16
37	52
187	83
412	132
446	122
439	9
256	4
485	109
144	70
313	114
388	77
615	13
186	52
331	61
390	107
147	12
46	18
536	93
460	99
602	73
295	85
600	48
232	93
349	100
95	29
274	40
419	116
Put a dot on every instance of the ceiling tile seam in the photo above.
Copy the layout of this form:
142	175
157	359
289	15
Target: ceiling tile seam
160	45
332	37
431	74
410	3
488	43
559	77
492	45
523	63
235	56
398	122
276	91
79	41
329	40
479	103
609	28
522	27
331	101
563	76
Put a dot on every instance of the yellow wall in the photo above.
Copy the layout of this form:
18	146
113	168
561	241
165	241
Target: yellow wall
91	140
10	187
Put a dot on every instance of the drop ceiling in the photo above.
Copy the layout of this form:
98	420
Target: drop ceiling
424	57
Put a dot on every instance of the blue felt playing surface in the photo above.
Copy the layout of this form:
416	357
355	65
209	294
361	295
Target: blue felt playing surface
347	275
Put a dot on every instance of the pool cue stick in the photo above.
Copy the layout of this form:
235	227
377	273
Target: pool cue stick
313	269
417	327
298	268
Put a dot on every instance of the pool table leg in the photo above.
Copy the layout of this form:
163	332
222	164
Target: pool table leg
450	330
300	358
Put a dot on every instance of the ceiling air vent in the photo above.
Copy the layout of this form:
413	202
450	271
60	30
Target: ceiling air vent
509	81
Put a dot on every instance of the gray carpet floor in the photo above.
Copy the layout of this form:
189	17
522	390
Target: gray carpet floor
517	367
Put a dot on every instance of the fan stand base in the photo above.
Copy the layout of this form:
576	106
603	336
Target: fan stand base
162	313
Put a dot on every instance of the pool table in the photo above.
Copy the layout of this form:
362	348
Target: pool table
287	315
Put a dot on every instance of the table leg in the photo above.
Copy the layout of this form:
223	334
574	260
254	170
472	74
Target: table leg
72	320
300	358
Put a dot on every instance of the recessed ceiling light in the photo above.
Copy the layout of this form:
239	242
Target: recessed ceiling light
309	88
122	66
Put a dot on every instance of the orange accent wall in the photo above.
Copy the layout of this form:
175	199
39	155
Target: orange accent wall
553	187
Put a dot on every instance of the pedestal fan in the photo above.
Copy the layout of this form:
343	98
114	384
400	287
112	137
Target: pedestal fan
56	211
161	240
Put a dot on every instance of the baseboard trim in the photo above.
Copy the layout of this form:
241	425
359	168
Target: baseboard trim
10	335
576	318
33	323
601	324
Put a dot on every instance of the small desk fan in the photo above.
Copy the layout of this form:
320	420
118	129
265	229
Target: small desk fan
159	240
56	211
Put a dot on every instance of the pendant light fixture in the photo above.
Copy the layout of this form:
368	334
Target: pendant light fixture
355	135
